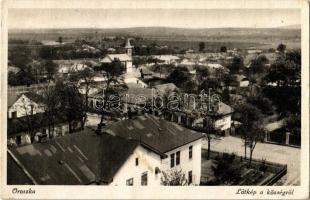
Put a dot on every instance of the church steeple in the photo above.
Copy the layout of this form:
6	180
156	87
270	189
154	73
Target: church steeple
128	48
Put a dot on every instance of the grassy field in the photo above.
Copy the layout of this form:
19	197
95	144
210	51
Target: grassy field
182	38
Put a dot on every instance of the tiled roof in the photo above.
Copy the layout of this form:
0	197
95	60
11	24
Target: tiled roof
19	125
110	57
75	159
158	134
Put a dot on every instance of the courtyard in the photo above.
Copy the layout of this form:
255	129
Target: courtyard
271	152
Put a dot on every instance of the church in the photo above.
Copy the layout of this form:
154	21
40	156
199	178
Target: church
125	58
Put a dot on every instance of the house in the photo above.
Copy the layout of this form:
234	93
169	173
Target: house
186	62
239	80
167	59
215	66
19	134
75	67
111	50
163	88
221	119
254	51
125	59
20	105
129	152
78	67
13	69
176	147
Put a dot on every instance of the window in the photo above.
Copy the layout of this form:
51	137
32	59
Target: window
14	114
129	182
144	178
177	161
137	161
190	177
190	152
172	160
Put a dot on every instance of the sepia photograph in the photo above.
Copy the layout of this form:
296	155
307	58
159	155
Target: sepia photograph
154	97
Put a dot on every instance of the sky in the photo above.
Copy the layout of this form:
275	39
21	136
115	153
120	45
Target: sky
123	18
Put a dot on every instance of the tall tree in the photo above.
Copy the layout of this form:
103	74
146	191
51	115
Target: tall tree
249	116
51	68
111	71
179	76
52	107
236	65
85	81
202	46
223	49
72	105
20	56
281	48
210	130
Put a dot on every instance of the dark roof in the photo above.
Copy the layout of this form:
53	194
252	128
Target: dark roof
75	159
133	94
15	174
13	97
35	97
158	134
18	125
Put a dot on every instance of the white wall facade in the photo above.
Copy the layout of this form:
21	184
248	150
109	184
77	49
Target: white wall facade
22	107
186	164
244	83
129	66
224	123
148	161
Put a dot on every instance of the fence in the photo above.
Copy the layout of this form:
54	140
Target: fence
34	88
279	170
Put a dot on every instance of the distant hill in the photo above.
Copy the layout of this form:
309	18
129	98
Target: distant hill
272	36
168	32
294	26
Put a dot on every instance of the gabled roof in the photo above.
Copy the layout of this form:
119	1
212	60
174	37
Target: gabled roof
19	125
13	97
75	159
158	134
167	57
110	57
239	77
162	88
224	109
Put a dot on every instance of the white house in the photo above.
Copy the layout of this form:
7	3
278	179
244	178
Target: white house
125	58
20	105
130	152
215	66
167	59
240	81
177	147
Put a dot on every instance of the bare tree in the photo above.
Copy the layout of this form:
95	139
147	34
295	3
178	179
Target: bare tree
173	177
255	135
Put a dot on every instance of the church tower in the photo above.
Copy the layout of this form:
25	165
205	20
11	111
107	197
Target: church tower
128	48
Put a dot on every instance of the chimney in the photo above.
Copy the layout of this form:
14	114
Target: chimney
99	128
